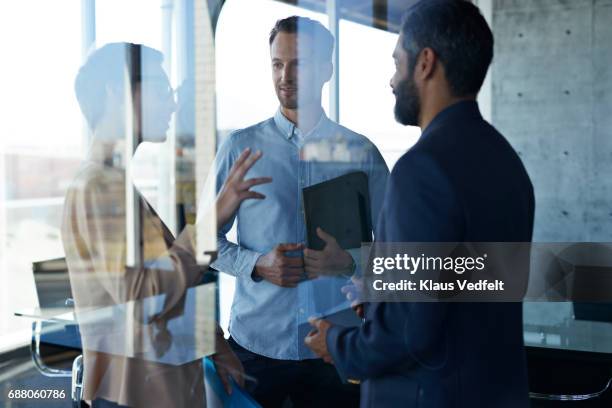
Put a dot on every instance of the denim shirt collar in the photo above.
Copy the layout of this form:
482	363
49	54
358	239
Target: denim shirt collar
289	130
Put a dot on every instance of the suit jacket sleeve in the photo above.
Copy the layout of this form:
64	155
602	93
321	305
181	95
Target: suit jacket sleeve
420	206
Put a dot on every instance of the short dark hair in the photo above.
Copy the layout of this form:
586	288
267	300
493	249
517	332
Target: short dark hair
323	39
458	34
106	67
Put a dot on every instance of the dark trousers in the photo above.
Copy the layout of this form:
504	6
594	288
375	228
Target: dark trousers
306	383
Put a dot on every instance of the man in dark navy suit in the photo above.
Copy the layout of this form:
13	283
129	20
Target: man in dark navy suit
461	182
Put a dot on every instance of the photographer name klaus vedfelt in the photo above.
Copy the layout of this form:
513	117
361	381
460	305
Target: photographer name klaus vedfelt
430	285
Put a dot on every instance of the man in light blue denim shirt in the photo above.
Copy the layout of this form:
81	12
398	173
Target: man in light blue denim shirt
279	283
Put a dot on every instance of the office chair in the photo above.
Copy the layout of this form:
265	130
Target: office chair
55	346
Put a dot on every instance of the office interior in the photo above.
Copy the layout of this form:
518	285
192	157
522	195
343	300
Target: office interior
548	90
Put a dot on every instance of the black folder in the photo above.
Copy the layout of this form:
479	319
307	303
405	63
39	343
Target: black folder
341	207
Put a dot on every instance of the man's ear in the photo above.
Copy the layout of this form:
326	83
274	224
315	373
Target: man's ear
426	64
327	69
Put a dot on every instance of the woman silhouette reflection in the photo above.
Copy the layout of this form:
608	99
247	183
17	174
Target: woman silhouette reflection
94	235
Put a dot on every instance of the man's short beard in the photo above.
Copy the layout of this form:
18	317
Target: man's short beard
407	103
289	104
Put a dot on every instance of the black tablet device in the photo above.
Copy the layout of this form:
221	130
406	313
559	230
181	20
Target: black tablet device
341	207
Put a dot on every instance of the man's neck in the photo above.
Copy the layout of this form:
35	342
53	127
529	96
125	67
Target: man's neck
430	110
304	119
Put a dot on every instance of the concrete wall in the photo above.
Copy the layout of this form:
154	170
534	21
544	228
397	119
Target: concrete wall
551	96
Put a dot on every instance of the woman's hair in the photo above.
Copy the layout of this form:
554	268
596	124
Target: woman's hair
108	67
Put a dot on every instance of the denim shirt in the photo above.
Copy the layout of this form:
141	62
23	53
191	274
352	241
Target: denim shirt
265	318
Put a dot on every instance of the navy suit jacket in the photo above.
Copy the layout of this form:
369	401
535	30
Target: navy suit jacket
461	182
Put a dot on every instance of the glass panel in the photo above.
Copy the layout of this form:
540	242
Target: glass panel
274	95
357	111
97	202
245	97
115	23
41	144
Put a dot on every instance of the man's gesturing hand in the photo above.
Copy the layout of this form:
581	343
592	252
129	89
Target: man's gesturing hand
236	189
332	260
279	269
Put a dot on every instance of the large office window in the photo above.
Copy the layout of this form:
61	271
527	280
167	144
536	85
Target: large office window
366	100
40	146
115	22
44	136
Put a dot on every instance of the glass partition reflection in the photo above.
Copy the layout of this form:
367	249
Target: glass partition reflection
129	274
284	108
98	201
